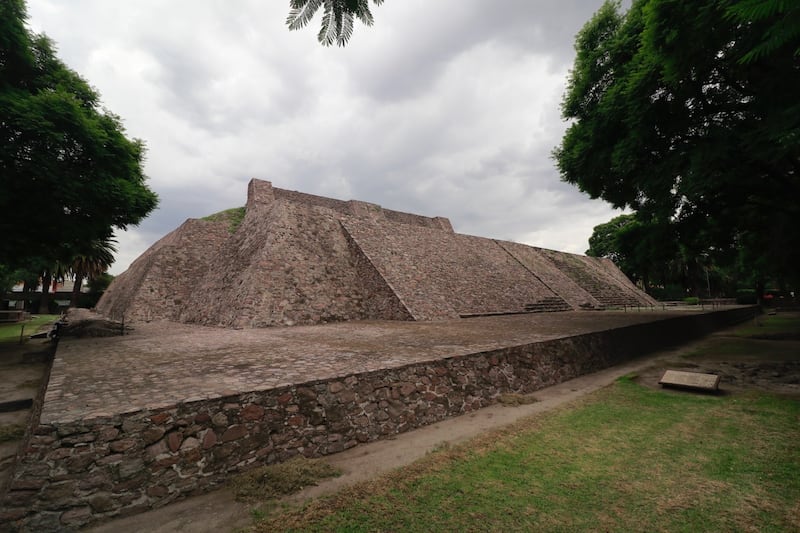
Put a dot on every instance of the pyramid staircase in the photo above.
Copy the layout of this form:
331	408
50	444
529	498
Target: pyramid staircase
548	305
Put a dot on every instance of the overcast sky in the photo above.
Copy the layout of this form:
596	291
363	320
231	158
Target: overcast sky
442	108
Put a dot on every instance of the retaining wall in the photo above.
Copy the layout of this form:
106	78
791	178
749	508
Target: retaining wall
89	470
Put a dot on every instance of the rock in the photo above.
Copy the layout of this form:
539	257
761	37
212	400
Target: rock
151	435
234	432
252	412
86	323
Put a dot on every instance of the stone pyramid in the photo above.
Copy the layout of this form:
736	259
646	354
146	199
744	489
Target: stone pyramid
297	258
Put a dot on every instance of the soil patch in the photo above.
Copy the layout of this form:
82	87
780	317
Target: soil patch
764	362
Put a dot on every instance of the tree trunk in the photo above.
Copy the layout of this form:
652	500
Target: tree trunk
44	302
26	293
760	291
76	289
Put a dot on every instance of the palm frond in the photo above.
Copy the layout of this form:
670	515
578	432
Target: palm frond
338	17
301	12
328	31
345	23
364	14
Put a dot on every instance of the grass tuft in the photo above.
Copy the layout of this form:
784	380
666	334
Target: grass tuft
513	399
233	216
9	333
624	458
777	327
281	479
11	432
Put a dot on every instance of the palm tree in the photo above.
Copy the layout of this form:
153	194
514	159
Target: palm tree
90	262
54	273
337	18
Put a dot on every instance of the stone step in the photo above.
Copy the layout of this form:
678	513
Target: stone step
690	380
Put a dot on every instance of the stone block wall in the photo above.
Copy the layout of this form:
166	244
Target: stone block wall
611	270
161	281
438	274
286	265
78	472
298	258
592	276
557	281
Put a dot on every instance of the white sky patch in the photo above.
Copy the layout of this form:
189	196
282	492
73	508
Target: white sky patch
446	108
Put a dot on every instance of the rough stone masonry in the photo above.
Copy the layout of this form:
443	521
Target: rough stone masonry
302	259
132	423
121	431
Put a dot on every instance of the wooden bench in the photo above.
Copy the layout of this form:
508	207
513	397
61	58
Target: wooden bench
690	380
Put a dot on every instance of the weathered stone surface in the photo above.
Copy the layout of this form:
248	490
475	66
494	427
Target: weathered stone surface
101	502
690	380
44	521
154	450
59	493
152	434
174	440
252	412
209	439
189	444
76	516
219	420
130	467
79	463
107	433
122	445
302	259
8	514
160	418
234	432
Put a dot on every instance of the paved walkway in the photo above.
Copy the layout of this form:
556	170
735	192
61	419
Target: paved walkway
161	364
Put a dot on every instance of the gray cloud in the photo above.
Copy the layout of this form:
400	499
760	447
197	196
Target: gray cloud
445	108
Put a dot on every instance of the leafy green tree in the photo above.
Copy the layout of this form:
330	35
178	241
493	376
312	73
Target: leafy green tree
606	242
675	118
68	173
97	286
643	251
338	17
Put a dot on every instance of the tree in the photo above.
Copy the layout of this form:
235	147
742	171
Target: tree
643	251
338	17
93	261
68	173
675	118
50	275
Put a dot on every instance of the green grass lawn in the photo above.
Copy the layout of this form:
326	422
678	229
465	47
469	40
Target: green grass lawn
784	325
11	332
626	458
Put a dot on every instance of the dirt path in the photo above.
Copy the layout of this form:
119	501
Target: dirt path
218	511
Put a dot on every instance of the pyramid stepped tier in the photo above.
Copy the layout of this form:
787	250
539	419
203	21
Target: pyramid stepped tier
548	305
296	258
593	275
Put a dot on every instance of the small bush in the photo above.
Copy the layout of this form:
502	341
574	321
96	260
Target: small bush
746	296
691	300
